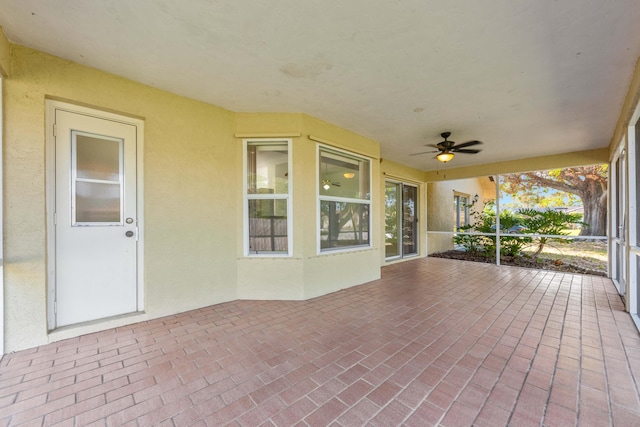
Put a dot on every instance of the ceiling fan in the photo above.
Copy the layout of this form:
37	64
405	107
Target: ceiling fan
447	149
327	183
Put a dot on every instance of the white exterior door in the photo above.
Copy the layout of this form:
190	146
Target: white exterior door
95	218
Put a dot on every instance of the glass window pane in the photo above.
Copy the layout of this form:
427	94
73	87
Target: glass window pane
464	207
97	202
636	188
344	176
343	224
97	158
267	168
392	245
268	226
460	212
619	207
409	220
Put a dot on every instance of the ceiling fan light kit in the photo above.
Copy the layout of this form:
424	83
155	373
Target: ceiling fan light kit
445	156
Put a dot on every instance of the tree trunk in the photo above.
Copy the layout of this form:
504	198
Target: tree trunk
536	254
595	214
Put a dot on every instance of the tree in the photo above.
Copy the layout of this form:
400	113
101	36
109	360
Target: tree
547	222
589	183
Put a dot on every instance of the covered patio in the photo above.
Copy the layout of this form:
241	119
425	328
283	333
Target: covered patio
433	342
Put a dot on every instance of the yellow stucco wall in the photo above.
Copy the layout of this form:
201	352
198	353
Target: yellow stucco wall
190	208
193	252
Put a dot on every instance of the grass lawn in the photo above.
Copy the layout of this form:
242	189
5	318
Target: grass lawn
589	254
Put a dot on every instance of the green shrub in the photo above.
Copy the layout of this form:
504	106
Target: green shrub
484	222
547	221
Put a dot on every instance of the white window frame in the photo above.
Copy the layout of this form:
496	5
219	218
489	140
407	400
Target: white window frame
320	198
282	196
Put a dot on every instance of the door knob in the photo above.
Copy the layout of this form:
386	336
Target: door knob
129	233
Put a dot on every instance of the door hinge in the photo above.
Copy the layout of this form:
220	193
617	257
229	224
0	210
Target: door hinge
55	130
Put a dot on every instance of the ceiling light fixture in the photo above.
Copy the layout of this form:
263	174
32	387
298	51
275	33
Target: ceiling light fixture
349	175
326	184
445	156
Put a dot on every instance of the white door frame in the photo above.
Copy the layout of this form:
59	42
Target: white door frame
51	108
619	219
633	252
400	184
1	226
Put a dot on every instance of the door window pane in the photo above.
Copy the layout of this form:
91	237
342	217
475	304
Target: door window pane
97	202
96	180
409	220
97	158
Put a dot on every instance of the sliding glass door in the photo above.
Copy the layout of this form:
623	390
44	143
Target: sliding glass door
401	220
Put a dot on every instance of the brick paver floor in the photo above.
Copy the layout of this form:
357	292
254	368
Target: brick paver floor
434	342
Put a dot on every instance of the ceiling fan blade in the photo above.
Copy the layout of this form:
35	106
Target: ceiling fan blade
465	150
423	152
468	144
439	147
